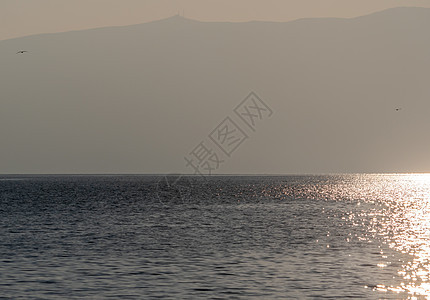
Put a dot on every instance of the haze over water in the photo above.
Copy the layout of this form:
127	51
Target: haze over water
360	236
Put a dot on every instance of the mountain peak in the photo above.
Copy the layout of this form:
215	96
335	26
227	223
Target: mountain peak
177	18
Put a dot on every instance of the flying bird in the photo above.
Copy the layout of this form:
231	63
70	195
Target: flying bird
21	51
397	109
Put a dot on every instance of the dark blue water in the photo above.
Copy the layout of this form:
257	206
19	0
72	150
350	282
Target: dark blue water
261	237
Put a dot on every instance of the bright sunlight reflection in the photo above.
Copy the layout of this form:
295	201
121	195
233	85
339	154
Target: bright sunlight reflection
393	210
407	230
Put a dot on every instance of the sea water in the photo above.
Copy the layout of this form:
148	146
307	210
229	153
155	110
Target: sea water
238	237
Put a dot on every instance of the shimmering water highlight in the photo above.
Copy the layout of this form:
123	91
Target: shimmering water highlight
261	237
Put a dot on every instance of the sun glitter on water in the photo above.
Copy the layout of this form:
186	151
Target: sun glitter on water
407	230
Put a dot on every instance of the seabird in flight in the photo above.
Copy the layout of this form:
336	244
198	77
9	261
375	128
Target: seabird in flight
21	51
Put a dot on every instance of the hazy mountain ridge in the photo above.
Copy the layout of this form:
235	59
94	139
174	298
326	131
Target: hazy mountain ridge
392	14
128	94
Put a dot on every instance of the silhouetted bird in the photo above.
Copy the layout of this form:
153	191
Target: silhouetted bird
21	51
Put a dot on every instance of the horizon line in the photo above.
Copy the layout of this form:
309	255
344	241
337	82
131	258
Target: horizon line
216	175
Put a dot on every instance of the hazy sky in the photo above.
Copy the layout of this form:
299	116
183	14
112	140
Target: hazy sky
27	17
138	99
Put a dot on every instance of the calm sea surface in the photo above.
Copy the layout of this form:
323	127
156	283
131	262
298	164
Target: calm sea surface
236	237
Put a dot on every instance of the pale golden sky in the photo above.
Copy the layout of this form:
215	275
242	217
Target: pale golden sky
27	17
139	99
